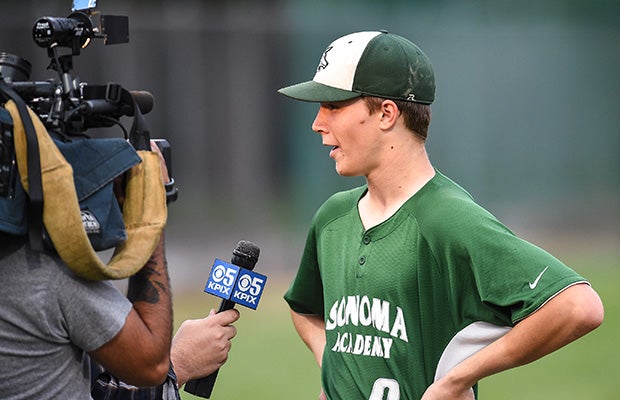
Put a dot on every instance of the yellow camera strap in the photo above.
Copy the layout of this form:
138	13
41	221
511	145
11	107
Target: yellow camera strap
144	208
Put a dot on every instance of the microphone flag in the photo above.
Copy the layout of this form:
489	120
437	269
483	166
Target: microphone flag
233	283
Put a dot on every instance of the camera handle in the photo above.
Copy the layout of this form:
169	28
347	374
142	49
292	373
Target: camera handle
58	121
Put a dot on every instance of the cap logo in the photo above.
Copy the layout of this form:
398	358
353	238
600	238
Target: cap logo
324	63
411	97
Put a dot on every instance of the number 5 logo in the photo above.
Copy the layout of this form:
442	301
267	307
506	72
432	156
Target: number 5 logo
380	386
254	286
224	275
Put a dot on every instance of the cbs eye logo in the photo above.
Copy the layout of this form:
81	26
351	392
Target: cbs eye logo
223	275
250	284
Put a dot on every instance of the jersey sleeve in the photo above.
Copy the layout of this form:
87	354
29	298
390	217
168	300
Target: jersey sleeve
516	275
305	294
512	276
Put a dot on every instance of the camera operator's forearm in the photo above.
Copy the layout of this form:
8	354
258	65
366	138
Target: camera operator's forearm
149	288
140	353
149	291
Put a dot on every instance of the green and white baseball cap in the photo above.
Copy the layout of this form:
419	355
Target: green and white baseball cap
374	63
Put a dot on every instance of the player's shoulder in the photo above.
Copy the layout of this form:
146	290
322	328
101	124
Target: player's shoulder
444	203
441	194
337	205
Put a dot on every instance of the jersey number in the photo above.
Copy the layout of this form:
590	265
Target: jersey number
380	386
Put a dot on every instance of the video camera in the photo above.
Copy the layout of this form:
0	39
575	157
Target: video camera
66	106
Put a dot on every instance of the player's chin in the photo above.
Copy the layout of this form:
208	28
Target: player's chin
342	170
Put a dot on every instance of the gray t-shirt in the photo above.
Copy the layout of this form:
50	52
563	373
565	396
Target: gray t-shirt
49	319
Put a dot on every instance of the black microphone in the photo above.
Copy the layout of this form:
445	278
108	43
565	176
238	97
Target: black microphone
245	255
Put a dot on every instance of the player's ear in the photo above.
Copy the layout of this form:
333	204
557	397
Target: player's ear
389	113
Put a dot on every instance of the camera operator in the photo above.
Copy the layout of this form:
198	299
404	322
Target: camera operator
62	336
51	320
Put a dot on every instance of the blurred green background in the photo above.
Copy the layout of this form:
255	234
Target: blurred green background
526	118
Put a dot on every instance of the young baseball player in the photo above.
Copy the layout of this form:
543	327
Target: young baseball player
407	289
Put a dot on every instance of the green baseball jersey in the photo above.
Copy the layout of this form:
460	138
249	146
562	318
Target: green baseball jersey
405	301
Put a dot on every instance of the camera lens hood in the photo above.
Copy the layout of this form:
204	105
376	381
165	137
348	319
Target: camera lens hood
14	67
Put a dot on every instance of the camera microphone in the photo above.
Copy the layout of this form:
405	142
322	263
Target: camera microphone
103	106
144	100
235	283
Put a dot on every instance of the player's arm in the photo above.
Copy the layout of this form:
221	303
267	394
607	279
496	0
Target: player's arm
565	318
311	329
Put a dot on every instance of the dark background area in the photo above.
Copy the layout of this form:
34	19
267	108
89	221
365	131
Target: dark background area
526	114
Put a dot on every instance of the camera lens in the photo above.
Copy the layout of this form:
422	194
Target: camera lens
13	67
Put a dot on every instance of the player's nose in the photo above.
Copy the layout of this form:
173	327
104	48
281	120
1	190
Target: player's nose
319	125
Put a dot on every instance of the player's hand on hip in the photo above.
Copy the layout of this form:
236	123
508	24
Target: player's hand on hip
442	391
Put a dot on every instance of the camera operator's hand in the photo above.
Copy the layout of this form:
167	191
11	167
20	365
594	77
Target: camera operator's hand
119	182
164	169
201	346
